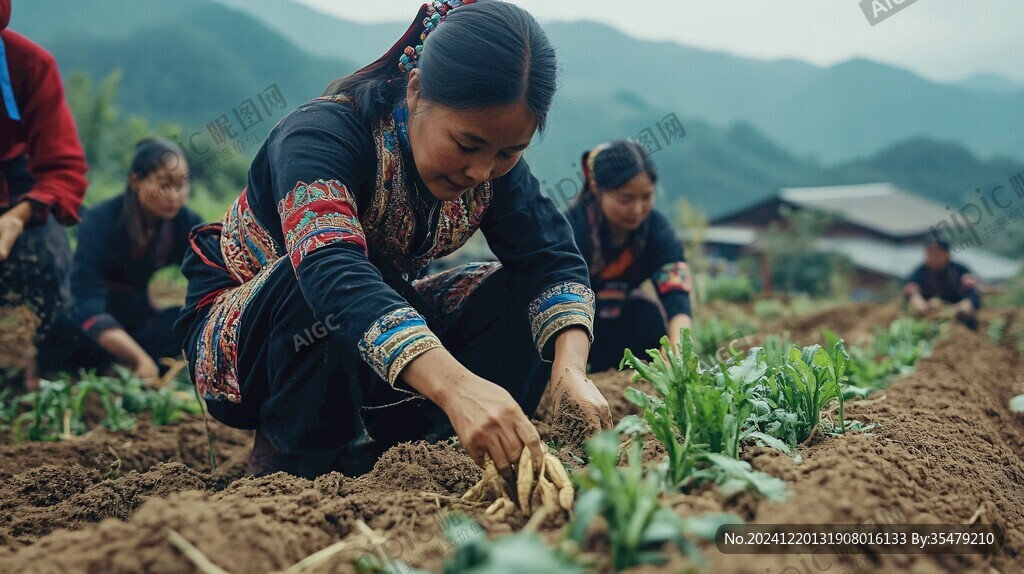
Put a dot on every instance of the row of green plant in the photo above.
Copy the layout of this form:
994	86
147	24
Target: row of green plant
775	394
715	338
618	489
57	410
893	351
700	413
734	289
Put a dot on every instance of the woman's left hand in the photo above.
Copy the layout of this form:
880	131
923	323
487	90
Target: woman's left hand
675	325
572	384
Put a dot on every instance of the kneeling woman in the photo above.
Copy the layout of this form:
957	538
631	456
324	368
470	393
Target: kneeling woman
306	318
122	242
625	242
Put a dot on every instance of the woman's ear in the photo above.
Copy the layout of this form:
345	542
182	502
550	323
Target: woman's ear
133	183
412	90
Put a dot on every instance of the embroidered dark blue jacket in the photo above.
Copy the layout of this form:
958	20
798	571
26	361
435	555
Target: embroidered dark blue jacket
108	280
653	251
341	203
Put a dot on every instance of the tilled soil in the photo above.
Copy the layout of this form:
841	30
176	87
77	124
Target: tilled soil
947	450
17	328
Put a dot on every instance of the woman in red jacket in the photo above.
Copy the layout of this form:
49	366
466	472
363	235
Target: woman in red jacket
42	179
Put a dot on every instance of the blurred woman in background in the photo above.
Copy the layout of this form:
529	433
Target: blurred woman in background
122	242
42	182
625	242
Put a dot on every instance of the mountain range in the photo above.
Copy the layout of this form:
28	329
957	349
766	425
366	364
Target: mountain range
752	126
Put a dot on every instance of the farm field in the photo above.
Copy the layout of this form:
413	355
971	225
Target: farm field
936	445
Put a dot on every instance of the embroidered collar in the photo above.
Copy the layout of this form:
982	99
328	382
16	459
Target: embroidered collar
603	251
406	226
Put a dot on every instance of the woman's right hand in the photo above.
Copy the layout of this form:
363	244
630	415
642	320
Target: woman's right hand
486	418
489	421
145	368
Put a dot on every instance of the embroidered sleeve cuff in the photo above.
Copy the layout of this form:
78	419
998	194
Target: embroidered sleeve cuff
394	340
673	277
564	305
93	326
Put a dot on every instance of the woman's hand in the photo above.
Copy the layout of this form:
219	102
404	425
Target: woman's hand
145	368
571	384
485	416
489	421
569	378
129	353
675	326
12	224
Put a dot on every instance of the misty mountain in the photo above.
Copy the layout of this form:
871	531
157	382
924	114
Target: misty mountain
751	126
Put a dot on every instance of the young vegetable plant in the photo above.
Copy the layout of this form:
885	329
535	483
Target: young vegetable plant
627	498
8	409
518	553
700	412
112	396
893	351
51	408
789	400
168	406
714	338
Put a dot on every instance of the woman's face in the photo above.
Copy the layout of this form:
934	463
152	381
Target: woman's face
165	190
935	257
456	150
627	207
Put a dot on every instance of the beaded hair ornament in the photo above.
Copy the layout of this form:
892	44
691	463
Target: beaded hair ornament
437	11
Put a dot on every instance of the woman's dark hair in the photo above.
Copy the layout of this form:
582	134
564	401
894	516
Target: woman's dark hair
150	155
612	165
483	54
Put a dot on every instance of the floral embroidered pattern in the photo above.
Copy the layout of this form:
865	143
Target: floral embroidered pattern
394	340
673	277
246	245
390	223
558	307
448	290
317	214
216	370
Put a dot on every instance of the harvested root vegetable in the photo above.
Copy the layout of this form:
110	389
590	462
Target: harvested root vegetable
548	487
501	509
548	495
560	478
524	484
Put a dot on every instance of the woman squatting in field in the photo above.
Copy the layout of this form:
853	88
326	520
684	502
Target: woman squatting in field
122	243
42	182
349	199
626	242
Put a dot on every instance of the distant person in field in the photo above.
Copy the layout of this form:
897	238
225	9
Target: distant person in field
42	181
307	317
122	242
626	242
940	278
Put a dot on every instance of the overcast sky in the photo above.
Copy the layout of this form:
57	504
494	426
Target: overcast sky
939	39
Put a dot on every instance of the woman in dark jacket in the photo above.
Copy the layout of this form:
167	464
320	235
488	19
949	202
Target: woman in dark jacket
306	316
122	242
625	242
